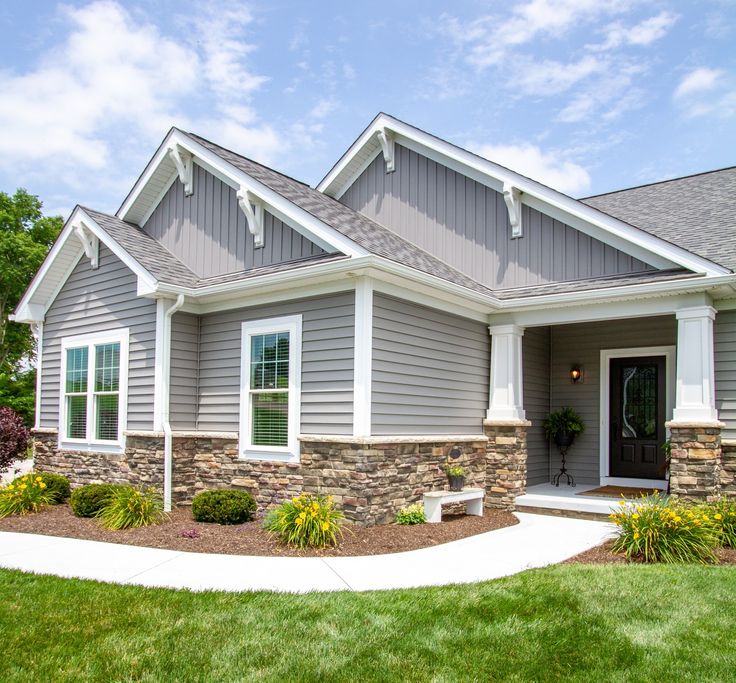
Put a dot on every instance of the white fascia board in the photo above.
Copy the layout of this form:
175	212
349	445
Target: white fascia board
608	229
316	230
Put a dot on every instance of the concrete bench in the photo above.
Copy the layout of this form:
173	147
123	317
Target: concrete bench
434	500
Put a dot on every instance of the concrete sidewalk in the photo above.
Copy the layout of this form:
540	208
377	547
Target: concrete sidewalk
537	541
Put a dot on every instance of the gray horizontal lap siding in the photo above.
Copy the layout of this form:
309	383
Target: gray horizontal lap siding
725	360
581	344
430	370
535	355
184	375
466	224
208	231
327	363
95	301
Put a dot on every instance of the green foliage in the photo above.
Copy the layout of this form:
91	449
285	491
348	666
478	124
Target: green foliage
723	516
57	486
411	514
88	500
225	506
309	520
455	471
667	530
18	392
129	507
563	420
24	494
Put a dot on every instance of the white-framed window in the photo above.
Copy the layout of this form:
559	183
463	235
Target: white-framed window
93	396
270	386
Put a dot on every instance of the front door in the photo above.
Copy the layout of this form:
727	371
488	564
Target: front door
637	417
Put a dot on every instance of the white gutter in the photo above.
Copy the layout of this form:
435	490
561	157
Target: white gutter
168	437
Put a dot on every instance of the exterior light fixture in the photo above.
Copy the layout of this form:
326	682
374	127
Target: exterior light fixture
576	374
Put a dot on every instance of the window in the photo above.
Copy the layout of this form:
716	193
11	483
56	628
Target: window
93	390
270	386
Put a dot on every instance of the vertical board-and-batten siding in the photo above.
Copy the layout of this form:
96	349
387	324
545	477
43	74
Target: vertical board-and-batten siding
207	231
328	334
184	371
466	224
430	370
536	366
96	301
725	360
581	344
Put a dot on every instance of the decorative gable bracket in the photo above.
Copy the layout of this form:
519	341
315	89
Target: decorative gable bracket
90	242
388	147
184	163
252	207
512	197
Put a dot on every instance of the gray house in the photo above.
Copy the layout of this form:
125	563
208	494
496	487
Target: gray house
233	327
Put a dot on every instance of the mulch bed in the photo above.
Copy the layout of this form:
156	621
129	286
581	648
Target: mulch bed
602	554
251	539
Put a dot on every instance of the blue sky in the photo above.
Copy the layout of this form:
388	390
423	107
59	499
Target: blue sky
585	95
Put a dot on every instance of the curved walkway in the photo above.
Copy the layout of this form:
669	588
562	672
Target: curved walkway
536	541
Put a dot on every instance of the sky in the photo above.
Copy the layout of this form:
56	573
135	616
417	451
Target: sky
587	96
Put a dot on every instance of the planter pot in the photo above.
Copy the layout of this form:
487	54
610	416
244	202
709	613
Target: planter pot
456	483
564	439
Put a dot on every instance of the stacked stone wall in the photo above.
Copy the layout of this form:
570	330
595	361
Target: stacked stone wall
506	463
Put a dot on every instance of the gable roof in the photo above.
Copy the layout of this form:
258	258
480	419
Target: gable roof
697	212
622	235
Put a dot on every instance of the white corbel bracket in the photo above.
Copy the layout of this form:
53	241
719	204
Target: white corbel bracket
512	197
388	147
90	242
184	163
247	201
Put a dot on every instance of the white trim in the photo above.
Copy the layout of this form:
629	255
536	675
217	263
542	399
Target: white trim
363	359
158	366
669	353
358	172
634	241
635	483
247	450
159	199
37	329
117	336
506	384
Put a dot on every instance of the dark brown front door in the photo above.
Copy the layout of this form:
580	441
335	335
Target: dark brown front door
637	417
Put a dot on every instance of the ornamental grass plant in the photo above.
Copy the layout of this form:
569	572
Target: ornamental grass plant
25	494
308	520
411	514
668	530
128	507
722	513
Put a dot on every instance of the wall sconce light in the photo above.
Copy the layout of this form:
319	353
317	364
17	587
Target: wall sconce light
576	374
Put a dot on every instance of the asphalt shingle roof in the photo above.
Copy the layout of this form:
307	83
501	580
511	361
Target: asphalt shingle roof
697	212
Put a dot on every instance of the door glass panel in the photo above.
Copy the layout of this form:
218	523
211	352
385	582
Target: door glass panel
639	402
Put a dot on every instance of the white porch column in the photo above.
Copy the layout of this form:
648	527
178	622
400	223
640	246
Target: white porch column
506	399
695	400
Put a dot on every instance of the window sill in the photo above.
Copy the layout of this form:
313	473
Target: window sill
88	447
269	456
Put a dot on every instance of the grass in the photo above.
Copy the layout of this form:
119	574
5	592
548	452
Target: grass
571	622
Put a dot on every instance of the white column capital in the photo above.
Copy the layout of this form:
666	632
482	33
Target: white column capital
506	329
696	312
505	399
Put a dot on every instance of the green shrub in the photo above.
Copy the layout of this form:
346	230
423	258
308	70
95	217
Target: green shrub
129	507
224	506
665	530
309	520
24	494
88	500
411	514
57	485
723	516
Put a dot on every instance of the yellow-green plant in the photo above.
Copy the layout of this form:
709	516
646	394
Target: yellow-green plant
308	520
723	515
411	514
25	494
129	507
657	529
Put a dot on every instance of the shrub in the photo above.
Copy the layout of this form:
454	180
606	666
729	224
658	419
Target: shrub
24	494
455	471
14	437
129	507
224	506
309	520
57	485
411	514
88	500
722	513
665	530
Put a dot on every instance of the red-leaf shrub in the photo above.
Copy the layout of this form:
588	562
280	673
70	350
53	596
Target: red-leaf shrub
14	437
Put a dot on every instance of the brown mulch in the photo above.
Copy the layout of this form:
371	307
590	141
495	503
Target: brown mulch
251	539
602	554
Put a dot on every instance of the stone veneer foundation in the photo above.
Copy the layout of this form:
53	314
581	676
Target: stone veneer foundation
506	463
696	461
370	478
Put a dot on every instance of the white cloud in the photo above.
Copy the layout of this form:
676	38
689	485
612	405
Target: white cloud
644	33
551	77
549	168
698	81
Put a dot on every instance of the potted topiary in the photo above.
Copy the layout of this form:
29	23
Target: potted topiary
456	477
562	427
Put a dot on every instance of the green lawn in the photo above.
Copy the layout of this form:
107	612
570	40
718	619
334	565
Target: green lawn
573	622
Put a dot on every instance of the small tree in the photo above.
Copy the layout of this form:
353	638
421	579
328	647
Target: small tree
14	437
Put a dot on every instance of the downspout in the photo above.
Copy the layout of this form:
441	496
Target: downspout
168	437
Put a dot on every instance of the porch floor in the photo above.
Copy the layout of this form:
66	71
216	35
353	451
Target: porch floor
551	497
